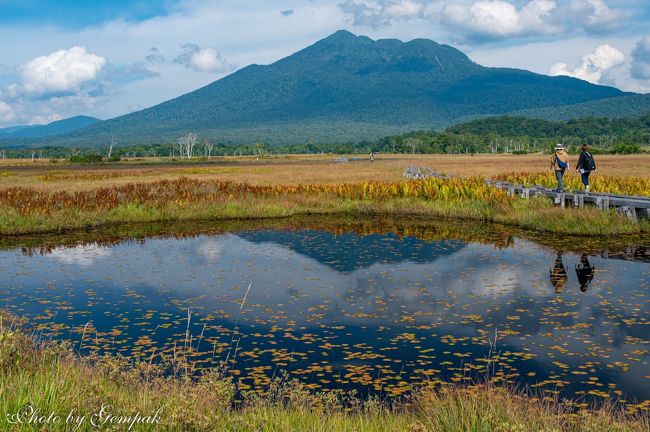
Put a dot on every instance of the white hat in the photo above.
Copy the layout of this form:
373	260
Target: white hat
559	147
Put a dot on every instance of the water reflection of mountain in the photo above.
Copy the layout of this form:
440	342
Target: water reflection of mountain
350	251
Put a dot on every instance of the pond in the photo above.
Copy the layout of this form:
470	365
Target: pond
373	306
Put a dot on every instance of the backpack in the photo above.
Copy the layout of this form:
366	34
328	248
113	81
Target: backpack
589	163
563	165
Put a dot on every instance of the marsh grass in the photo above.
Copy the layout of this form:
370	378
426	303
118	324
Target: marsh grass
28	210
53	378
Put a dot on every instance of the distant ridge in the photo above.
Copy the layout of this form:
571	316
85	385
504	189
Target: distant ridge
342	88
55	128
619	107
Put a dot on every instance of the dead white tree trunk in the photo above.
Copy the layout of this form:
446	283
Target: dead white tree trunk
207	148
110	149
186	144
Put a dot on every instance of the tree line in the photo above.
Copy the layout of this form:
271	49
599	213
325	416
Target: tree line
490	135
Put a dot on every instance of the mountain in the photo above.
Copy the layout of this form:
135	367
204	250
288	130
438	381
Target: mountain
342	88
55	128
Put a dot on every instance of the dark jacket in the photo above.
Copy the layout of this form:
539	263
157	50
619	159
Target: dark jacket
582	161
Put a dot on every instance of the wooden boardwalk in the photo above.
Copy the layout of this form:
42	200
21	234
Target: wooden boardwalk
634	207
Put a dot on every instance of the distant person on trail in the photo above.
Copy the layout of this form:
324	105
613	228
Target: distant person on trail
585	272
586	164
372	157
558	273
559	163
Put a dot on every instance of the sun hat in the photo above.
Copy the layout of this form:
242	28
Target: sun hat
559	147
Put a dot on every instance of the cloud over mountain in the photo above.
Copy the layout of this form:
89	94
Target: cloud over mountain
595	16
63	71
593	66
494	19
6	113
62	83
641	59
380	13
202	59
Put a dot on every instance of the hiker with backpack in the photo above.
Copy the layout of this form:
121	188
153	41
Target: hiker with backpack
559	163
586	164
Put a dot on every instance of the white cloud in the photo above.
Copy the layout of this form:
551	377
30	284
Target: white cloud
641	59
63	83
202	59
595	16
212	250
41	119
380	13
7	113
593	66
496	19
81	256
63	71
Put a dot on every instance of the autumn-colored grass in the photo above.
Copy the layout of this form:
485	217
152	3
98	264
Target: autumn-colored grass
30	210
185	192
43	197
297	169
52	379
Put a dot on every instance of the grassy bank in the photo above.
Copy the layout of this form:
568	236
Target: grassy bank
426	229
50	378
27	210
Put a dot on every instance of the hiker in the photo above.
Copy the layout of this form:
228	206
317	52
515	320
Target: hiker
558	273
585	272
372	157
559	163
586	164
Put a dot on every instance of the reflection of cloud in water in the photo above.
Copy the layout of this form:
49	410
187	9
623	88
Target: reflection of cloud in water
82	256
212	249
506	289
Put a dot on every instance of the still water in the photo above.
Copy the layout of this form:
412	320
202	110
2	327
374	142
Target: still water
377	312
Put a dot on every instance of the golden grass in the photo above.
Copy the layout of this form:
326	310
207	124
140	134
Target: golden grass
300	169
30	210
311	172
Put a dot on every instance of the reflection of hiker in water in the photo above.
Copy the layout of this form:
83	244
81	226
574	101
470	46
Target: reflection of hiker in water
585	272
558	274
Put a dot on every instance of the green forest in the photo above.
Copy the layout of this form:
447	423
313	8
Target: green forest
503	134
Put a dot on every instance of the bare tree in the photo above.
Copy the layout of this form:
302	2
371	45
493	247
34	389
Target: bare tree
110	150
180	146
186	144
207	148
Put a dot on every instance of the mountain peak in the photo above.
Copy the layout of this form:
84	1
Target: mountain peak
343	36
344	39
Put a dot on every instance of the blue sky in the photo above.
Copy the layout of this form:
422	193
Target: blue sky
78	14
107	58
